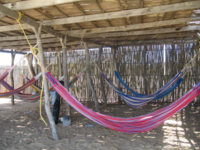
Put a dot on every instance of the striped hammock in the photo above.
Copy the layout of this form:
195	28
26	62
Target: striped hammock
22	96
136	101
169	90
15	91
128	125
73	81
35	97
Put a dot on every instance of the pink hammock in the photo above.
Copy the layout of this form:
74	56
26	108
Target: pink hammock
23	96
12	92
128	125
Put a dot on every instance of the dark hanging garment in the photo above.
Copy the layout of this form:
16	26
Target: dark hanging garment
56	106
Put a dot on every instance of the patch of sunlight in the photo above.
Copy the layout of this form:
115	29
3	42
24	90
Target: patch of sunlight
100	141
6	100
150	137
174	135
20	126
173	122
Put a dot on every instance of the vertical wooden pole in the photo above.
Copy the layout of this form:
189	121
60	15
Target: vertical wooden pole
30	65
46	89
116	64
59	66
144	73
101	79
23	82
65	69
197	63
6	80
172	67
11	74
90	82
36	66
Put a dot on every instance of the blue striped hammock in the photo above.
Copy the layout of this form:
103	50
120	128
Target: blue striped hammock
137	100
169	90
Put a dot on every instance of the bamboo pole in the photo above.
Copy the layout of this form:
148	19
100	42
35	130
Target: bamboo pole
89	80
101	79
46	89
13	52
116	64
65	69
30	65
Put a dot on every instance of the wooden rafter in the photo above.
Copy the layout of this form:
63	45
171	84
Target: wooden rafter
82	11
134	26
66	16
121	8
102	10
43	12
141	6
144	32
14	14
114	29
141	37
2	16
126	13
23	5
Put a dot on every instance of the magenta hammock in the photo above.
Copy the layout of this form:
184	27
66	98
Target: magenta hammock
128	125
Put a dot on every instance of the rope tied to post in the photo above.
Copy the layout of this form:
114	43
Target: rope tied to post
35	51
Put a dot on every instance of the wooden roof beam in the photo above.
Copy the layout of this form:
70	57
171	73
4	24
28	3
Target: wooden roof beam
143	32
23	5
2	16
125	13
102	10
121	8
27	20
66	16
82	11
120	14
127	38
134	26
112	29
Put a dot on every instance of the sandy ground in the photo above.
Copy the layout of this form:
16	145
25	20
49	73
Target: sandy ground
22	130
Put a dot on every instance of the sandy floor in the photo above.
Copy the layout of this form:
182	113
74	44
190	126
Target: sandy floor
22	130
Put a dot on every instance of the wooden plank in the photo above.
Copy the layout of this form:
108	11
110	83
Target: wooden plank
49	40
149	37
112	29
32	4
143	32
2	16
133	27
14	14
13	38
125	13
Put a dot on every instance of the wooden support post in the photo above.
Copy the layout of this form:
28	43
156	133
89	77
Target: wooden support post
11	74
172	68
116	64
88	91
46	89
101	79
144	75
30	65
59	66
23	82
6	80
197	63
65	69
89	80
36	66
